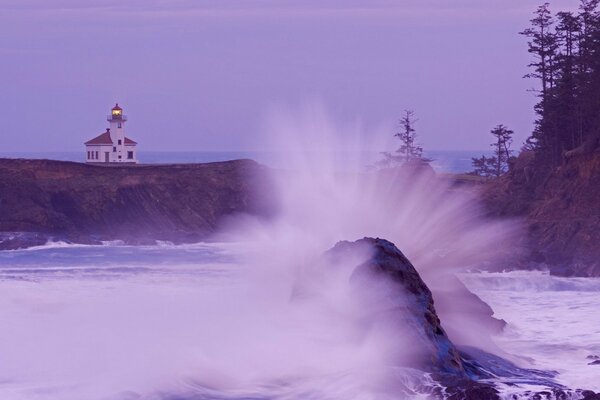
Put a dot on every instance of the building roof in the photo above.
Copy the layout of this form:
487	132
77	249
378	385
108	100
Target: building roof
116	107
103	138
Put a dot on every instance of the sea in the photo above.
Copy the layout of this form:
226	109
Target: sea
175	322
445	161
201	322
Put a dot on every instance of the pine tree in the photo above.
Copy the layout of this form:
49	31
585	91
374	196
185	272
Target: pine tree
501	146
589	71
543	45
561	108
409	150
498	164
567	65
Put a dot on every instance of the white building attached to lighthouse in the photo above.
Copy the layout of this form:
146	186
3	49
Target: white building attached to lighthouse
112	146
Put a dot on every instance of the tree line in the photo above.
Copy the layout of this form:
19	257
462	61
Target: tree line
566	64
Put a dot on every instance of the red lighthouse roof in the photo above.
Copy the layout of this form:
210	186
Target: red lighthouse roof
103	138
116	107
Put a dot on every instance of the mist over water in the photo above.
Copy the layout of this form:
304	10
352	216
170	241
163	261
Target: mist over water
226	320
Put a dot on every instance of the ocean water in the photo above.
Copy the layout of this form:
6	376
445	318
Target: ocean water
174	322
553	322
442	160
159	322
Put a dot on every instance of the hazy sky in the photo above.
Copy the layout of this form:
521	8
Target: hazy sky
202	75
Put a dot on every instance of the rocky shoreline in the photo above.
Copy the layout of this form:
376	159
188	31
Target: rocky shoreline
44	200
560	209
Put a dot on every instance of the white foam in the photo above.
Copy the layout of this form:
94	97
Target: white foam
553	322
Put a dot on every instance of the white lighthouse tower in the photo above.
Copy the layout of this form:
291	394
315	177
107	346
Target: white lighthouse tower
112	146
117	121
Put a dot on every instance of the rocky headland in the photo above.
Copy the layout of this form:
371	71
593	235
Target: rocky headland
561	210
43	200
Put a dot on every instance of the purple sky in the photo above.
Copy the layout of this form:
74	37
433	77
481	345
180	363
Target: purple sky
202	75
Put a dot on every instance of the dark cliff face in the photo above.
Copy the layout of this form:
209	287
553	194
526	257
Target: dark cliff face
80	202
561	208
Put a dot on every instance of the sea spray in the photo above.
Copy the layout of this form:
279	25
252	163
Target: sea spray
324	196
168	329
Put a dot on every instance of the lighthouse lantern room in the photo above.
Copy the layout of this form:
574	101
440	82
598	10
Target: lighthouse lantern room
112	146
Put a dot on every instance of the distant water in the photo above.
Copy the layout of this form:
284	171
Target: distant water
442	160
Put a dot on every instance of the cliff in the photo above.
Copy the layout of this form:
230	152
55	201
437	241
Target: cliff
561	208
42	199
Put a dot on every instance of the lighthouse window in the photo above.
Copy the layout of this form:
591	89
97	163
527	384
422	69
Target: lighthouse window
114	149
130	155
119	141
119	125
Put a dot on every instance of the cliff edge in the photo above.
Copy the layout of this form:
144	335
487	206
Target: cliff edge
561	208
44	199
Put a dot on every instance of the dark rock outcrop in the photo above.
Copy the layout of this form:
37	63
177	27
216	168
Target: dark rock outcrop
397	301
43	199
400	303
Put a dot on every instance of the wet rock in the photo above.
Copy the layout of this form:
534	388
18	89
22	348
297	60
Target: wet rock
19	240
469	390
589	395
398	300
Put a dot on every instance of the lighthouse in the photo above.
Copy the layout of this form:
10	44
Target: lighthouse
112	146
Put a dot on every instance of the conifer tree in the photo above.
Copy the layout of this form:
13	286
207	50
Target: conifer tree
567	65
498	164
543	45
501	146
409	150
